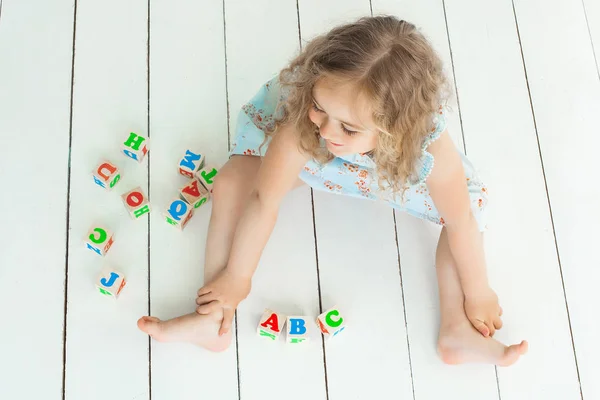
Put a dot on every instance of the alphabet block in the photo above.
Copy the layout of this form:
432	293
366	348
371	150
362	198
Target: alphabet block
270	325
99	239
136	202
191	163
297	330
206	176
110	283
106	175
194	193
331	322
179	213
135	147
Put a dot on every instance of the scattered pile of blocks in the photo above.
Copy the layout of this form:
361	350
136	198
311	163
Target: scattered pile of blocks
180	210
330	323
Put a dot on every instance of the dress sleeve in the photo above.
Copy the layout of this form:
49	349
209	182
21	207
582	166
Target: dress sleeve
427	161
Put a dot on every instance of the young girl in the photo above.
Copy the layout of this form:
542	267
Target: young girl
360	112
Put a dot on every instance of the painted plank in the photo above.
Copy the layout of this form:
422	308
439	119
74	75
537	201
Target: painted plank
267	367
592	12
188	110
481	43
365	284
417	241
565	93
110	101
35	77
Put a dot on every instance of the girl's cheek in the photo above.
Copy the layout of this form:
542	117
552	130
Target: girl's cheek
312	115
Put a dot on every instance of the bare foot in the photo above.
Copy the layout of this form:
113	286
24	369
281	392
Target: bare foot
461	343
200	330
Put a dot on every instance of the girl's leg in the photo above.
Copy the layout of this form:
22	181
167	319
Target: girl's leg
232	187
459	342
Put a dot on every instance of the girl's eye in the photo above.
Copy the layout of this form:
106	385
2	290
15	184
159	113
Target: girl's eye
317	109
348	131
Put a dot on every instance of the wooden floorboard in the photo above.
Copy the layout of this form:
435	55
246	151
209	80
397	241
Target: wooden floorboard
35	95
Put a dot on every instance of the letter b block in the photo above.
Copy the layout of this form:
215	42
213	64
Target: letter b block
99	239
297	330
270	325
191	163
135	147
331	322
136	202
106	175
179	213
110	283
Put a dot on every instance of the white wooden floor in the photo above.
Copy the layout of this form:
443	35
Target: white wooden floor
76	76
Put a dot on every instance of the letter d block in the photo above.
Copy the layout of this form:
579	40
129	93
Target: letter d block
136	202
191	163
206	176
99	240
106	175
331	322
110	283
297	330
135	147
179	213
194	193
270	325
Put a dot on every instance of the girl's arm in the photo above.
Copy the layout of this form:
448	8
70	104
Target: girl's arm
447	186
276	177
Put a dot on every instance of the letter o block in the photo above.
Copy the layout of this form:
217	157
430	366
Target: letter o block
191	163
136	202
106	175
270	325
135	147
297	330
206	176
110	283
331	322
179	213
99	239
194	193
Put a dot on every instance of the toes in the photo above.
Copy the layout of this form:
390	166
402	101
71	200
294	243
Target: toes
148	324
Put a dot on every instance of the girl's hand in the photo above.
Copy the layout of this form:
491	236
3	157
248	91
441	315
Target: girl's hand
484	312
225	291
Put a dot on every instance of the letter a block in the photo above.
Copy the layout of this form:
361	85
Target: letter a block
331	323
206	176
106	175
297	331
110	283
179	213
271	325
99	240
136	202
135	147
191	163
194	193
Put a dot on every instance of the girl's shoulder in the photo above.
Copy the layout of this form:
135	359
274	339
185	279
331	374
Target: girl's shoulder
427	160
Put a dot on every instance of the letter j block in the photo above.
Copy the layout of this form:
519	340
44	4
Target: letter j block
99	239
191	163
206	176
110	283
270	325
135	147
297	329
136	202
331	323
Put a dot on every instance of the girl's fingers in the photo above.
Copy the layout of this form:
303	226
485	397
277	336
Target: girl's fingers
498	323
206	298
204	290
208	307
227	320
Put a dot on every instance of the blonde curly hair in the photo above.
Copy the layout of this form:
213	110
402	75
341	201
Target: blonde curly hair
391	63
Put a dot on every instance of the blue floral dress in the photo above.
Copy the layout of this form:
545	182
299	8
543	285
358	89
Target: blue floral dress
354	175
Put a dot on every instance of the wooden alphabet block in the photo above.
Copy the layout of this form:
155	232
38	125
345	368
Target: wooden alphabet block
194	193
106	175
99	239
270	325
297	330
110	283
135	147
191	163
179	213
206	176
136	202
331	322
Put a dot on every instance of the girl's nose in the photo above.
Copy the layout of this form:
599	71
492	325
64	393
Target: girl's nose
326	130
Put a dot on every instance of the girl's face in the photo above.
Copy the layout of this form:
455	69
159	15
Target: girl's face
344	120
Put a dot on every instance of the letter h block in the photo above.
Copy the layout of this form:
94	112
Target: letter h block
135	147
270	325
331	323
